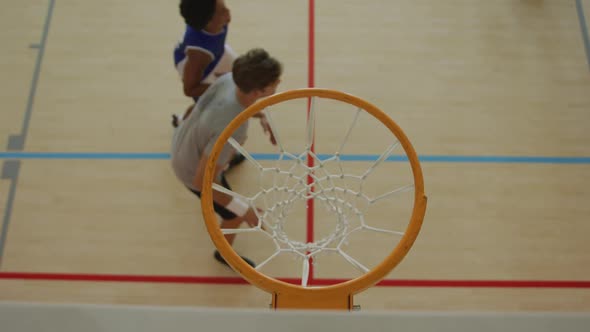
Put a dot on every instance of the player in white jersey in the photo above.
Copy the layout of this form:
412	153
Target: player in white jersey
254	75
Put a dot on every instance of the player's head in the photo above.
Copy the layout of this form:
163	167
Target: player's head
257	72
200	14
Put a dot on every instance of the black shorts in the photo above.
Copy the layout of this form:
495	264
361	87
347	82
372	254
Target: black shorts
224	213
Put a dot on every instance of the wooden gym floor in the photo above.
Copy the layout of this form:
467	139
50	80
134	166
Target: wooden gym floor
495	97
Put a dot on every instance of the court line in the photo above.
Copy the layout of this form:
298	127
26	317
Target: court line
310	202
317	282
84	155
584	28
311	45
275	156
17	142
10	171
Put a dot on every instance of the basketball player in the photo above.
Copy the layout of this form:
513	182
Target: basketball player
202	55
254	75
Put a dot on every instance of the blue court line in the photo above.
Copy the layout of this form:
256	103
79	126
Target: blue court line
584	28
83	155
275	156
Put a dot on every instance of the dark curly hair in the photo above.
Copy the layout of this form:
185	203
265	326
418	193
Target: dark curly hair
197	13
256	70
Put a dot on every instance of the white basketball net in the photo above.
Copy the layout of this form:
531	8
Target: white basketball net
316	183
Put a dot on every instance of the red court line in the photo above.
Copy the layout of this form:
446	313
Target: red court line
487	283
311	46
310	83
316	282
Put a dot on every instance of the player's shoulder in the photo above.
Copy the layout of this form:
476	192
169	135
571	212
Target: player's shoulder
222	83
226	78
195	34
192	34
216	91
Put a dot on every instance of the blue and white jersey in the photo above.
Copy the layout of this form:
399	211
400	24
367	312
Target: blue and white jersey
212	44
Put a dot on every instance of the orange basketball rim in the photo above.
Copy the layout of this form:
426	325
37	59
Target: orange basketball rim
338	296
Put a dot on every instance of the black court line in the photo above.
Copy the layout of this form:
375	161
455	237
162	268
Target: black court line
10	168
10	171
584	28
17	142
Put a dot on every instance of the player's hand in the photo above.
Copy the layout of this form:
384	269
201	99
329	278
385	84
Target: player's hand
251	218
267	129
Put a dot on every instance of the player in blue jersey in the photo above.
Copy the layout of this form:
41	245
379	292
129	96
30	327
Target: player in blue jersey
202	55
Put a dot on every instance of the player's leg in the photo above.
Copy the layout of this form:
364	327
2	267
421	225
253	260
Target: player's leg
228	221
230	224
